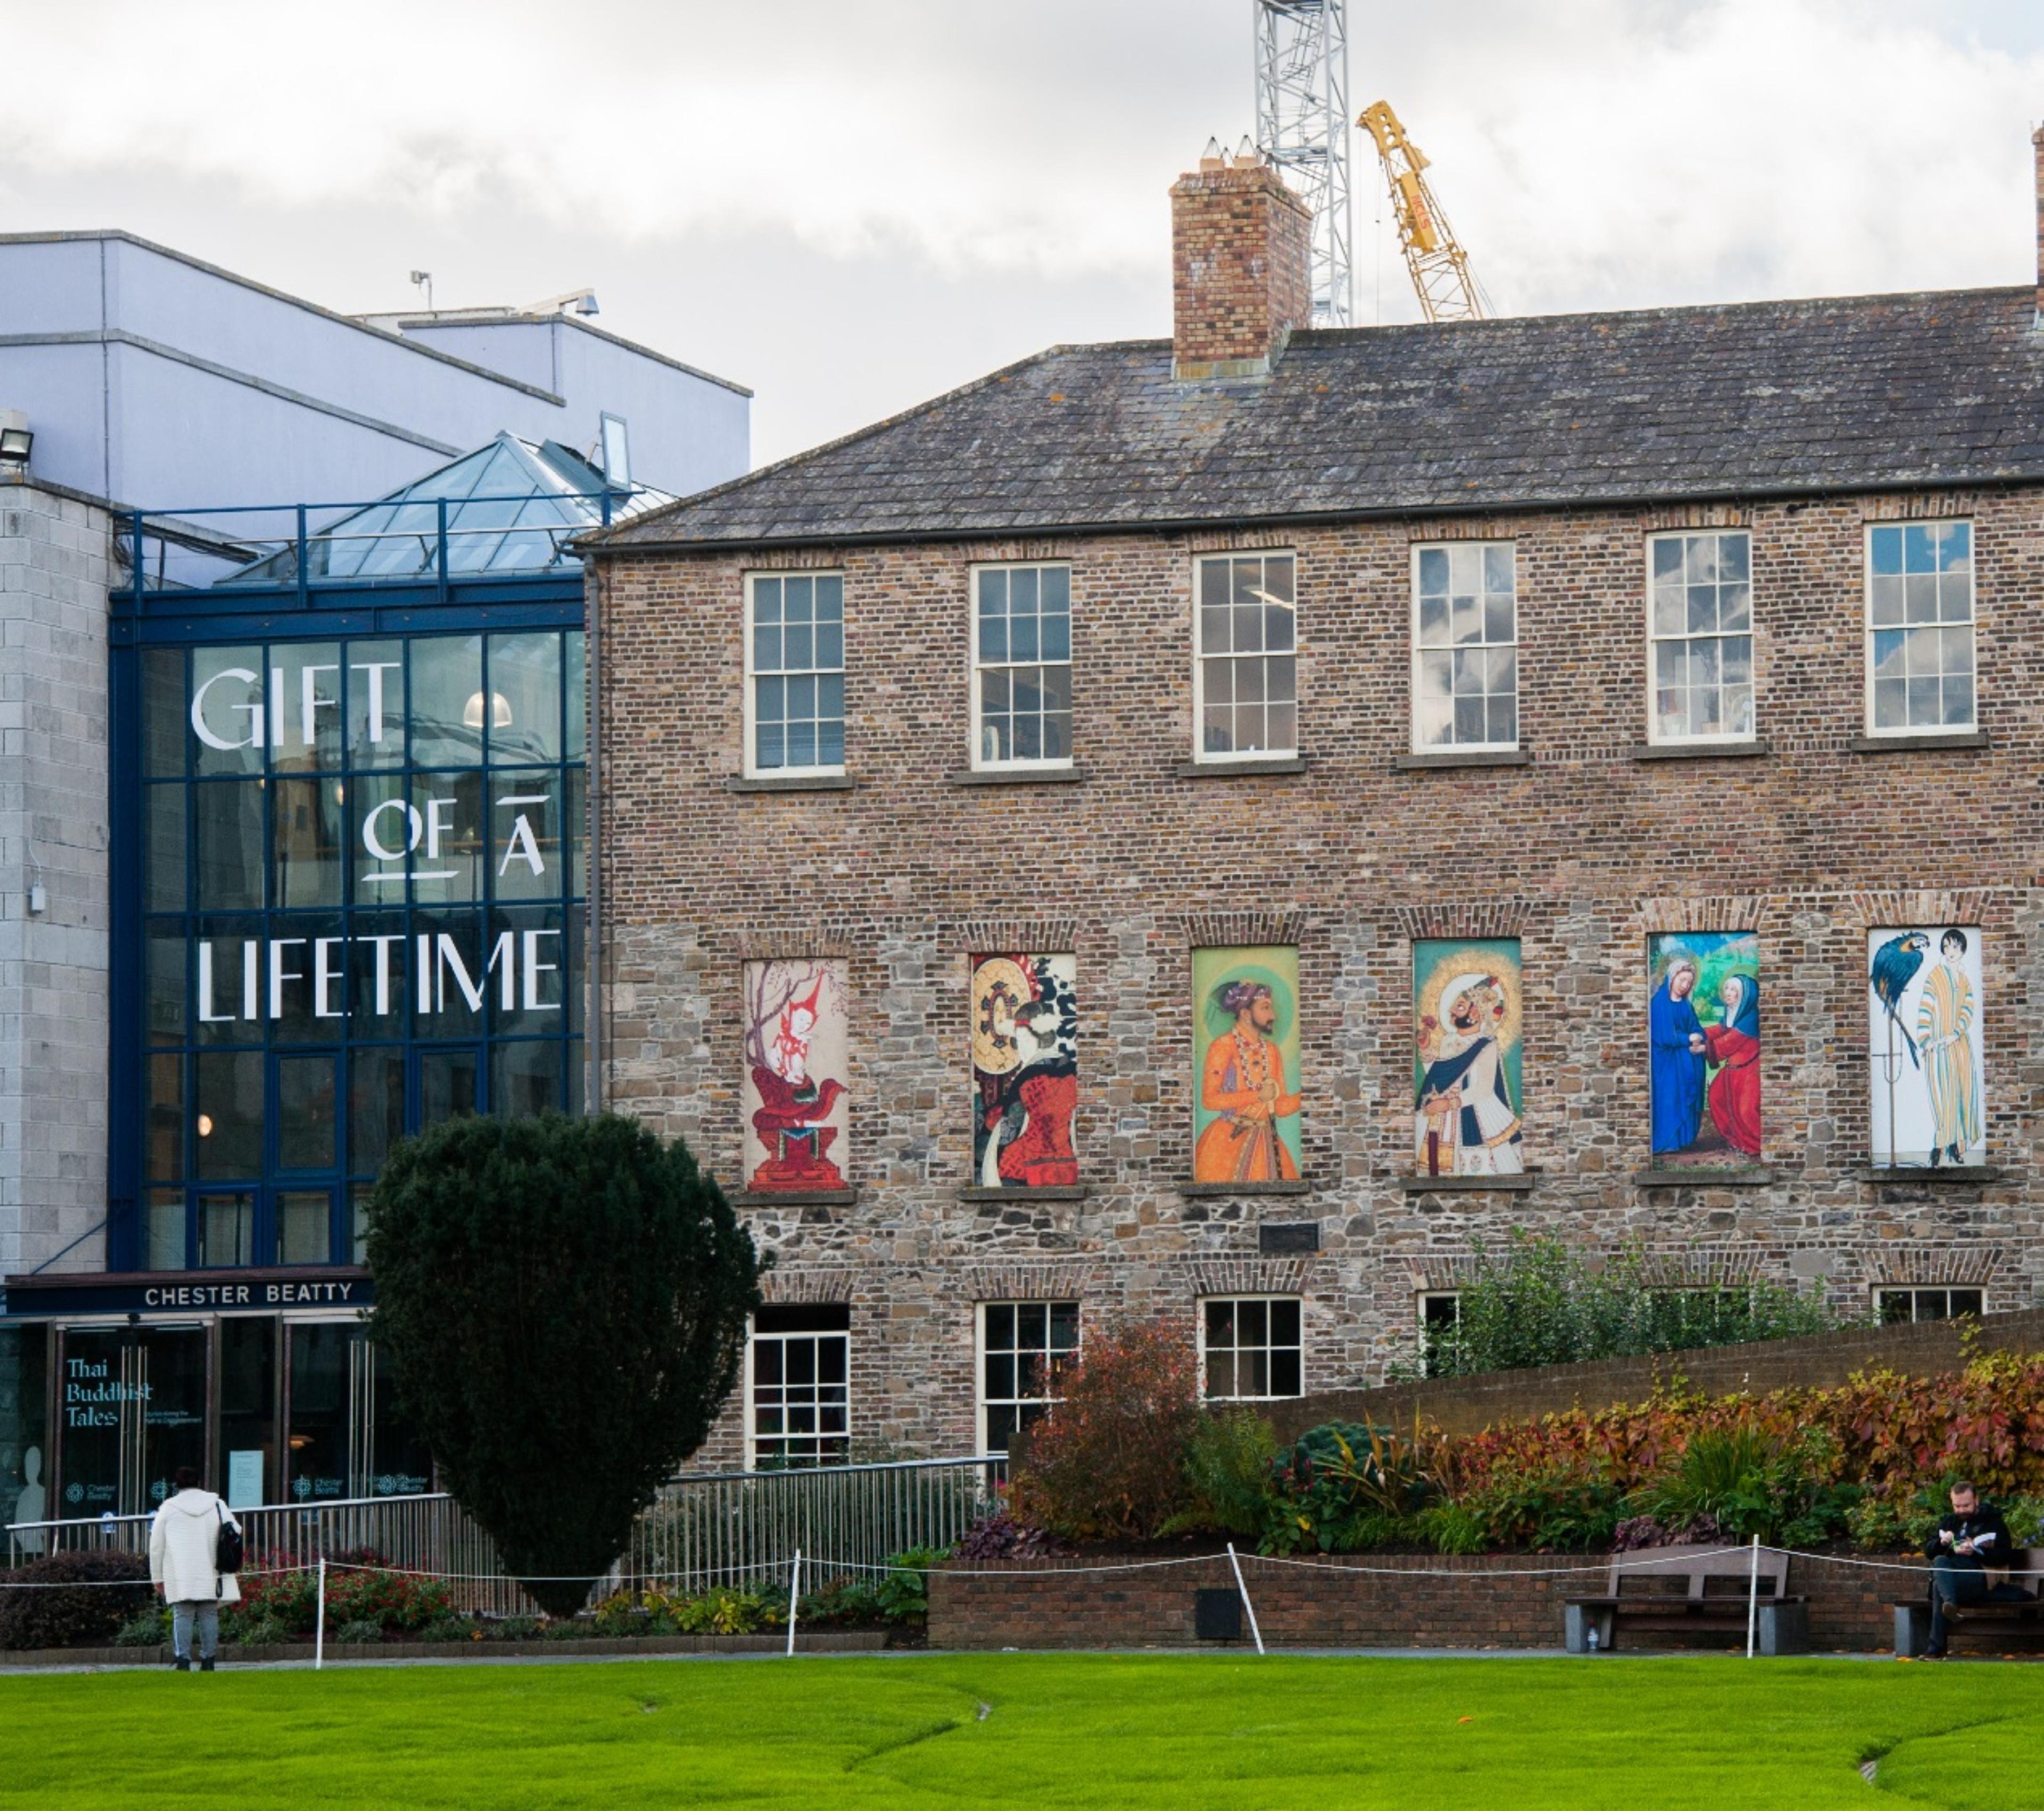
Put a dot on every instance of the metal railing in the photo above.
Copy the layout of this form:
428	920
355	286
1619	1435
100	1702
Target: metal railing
733	1528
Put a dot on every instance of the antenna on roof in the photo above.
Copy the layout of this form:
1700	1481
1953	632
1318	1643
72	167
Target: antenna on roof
423	280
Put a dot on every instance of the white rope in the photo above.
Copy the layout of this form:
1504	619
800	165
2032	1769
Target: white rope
1651	1556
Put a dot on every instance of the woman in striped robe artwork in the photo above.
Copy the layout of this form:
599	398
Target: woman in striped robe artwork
1944	1033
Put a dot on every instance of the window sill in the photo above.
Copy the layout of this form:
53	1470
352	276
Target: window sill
1283	1240
1077	1192
1519	1184
1016	777
1921	744
1702	750
1944	1173
1204	1190
793	782
794	1198
1471	757
1234	769
1754	1176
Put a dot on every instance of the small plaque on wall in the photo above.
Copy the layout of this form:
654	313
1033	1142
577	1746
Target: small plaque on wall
1301	1235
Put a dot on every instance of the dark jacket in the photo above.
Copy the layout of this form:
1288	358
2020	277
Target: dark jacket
1985	1528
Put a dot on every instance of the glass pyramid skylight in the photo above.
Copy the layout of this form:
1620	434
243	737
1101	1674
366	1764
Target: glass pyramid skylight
512	506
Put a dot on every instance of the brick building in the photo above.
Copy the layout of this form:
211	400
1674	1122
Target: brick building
1450	690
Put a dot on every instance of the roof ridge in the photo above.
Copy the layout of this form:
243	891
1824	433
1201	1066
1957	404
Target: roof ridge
794	460
1666	308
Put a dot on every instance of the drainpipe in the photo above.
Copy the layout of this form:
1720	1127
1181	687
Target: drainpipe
593	1037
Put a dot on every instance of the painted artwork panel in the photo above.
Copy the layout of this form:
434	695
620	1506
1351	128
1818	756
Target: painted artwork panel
1025	1070
797	1094
1926	1063
1467	1076
1247	1123
1704	1037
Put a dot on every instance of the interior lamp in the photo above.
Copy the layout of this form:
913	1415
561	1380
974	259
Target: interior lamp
500	711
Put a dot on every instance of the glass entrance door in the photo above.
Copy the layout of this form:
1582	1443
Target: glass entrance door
132	1409
344	1439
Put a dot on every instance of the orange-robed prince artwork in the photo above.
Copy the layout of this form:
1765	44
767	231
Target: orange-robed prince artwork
1245	1118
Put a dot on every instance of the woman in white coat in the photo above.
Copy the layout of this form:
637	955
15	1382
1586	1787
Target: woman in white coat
183	1544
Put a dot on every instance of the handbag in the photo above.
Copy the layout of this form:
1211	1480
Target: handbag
227	1545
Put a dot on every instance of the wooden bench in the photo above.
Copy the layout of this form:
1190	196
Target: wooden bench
1675	1590
1912	1619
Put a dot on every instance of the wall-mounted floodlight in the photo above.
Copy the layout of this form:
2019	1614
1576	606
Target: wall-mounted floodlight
15	439
582	302
423	282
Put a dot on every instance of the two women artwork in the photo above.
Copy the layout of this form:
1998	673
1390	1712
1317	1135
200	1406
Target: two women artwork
1704	1028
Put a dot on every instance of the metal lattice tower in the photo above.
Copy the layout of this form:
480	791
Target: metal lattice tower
1302	128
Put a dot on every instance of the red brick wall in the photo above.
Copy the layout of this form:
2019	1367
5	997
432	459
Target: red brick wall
1240	268
1366	1602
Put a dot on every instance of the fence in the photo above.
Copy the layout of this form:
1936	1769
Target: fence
719	1528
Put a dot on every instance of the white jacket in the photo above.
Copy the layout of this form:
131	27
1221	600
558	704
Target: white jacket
182	1546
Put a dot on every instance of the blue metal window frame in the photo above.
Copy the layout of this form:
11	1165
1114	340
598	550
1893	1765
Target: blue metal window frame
141	619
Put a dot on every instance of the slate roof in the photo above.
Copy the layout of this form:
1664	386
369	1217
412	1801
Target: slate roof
1757	399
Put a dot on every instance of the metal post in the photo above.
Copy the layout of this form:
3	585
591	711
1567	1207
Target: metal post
1243	1590
794	1591
440	566
304	582
1752	1598
319	1621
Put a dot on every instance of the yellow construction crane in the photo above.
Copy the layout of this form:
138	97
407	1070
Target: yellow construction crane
1447	290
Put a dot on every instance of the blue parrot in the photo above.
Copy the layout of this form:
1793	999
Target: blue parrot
1895	965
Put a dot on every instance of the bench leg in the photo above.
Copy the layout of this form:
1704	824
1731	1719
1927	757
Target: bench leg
1784	1628
1913	1628
1579	1621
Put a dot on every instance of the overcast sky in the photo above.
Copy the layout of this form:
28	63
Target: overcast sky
852	205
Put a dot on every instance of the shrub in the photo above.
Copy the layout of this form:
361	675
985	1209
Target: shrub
728	1612
1107	1461
362	1628
92	1614
1001	1536
147	1628
451	1627
1541	1303
1342	1488
1454	1527
602	1270
390	1600
1748	1481
903	1592
845	1600
1227	1465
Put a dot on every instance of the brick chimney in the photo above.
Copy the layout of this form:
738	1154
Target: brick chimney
1240	267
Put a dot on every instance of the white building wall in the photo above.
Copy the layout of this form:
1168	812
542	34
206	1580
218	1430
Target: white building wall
54	1004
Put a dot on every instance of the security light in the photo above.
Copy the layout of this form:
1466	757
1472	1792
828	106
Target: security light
581	301
15	439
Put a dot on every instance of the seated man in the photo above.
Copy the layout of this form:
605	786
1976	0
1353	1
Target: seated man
1968	1540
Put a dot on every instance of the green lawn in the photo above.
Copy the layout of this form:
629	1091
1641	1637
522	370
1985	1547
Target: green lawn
1183	1731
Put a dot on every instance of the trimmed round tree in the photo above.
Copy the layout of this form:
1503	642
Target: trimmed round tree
563	1304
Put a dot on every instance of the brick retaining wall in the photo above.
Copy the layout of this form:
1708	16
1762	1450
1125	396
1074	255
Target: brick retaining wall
1469	1405
1370	1600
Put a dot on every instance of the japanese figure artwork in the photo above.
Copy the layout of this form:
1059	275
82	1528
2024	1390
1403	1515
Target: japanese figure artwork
1923	1039
1246	1048
1025	1070
1466	1011
1703	1033
794	1097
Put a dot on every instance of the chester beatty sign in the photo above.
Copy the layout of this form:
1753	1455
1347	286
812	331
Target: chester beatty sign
188	1292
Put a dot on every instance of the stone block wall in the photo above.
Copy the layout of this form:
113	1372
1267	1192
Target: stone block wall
1582	852
54	1006
1360	1601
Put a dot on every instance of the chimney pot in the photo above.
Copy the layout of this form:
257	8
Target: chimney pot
1241	250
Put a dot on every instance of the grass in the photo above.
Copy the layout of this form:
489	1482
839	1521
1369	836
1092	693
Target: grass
1094	1731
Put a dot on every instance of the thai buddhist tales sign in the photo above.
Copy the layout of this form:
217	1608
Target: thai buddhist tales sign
797	1093
1926	1067
1246	1120
1025	1054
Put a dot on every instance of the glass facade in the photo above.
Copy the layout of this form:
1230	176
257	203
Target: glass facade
362	871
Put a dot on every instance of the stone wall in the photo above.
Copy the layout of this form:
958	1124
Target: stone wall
54	1005
1581	849
1359	1601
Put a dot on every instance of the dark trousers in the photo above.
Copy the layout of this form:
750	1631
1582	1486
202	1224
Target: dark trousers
1957	1579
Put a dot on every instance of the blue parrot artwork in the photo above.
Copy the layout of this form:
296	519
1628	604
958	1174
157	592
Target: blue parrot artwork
1895	965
